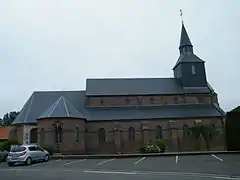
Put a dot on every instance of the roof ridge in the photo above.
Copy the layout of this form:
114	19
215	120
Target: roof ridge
64	102
54	106
133	78
29	108
57	91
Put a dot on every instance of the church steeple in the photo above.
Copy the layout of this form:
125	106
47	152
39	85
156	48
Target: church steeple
189	69
185	45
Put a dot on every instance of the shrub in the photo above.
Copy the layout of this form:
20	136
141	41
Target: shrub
48	148
161	144
13	142
5	145
156	146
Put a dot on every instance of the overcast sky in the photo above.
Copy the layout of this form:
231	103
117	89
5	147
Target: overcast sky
57	44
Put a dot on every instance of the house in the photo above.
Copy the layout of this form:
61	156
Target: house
121	115
4	133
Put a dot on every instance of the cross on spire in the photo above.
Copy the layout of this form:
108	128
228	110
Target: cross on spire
181	14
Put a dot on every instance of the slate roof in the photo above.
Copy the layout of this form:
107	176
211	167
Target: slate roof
132	86
72	104
188	57
153	112
61	108
184	40
39	102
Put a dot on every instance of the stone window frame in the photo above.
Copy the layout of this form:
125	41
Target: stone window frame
139	100
58	130
193	70
77	134
131	134
159	132
186	131
101	135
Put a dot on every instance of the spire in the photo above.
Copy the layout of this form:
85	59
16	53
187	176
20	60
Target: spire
185	40
185	43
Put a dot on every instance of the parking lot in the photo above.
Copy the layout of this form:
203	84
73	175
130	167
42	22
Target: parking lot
165	167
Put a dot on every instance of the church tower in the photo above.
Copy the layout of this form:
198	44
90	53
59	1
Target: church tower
189	69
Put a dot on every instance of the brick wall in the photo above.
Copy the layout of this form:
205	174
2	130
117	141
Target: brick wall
147	100
117	135
69	137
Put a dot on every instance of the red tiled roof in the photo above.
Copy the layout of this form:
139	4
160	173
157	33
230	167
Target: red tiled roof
4	132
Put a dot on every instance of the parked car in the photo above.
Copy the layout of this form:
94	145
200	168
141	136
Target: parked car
3	154
27	154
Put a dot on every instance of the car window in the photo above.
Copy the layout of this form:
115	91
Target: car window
32	148
39	148
18	149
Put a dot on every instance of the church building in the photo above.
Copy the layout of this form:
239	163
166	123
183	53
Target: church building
123	114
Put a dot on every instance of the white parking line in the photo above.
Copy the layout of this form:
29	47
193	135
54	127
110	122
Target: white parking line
80	160
106	161
229	178
52	161
109	172
138	161
217	157
177	158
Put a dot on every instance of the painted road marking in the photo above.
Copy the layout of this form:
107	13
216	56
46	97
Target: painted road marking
127	172
106	161
231	178
110	172
217	157
138	161
80	160
52	161
177	158
199	175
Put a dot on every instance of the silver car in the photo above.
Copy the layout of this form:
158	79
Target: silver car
27	154
3	154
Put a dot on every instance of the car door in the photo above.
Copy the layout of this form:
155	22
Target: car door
33	152
40	153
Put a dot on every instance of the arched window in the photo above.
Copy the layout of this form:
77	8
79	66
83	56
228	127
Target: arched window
186	131
42	136
33	135
101	135
77	134
159	132
131	134
58	134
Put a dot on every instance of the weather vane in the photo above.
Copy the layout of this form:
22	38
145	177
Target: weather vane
181	14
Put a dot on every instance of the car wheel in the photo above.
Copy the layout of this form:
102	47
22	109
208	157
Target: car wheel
46	158
28	161
5	158
10	164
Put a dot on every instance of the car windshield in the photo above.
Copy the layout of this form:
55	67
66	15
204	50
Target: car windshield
18	149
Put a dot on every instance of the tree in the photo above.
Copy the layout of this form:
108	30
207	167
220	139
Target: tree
8	118
203	131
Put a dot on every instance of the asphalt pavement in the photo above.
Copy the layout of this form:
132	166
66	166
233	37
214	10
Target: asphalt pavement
225	167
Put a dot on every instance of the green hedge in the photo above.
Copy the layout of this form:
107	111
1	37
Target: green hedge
155	146
49	148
